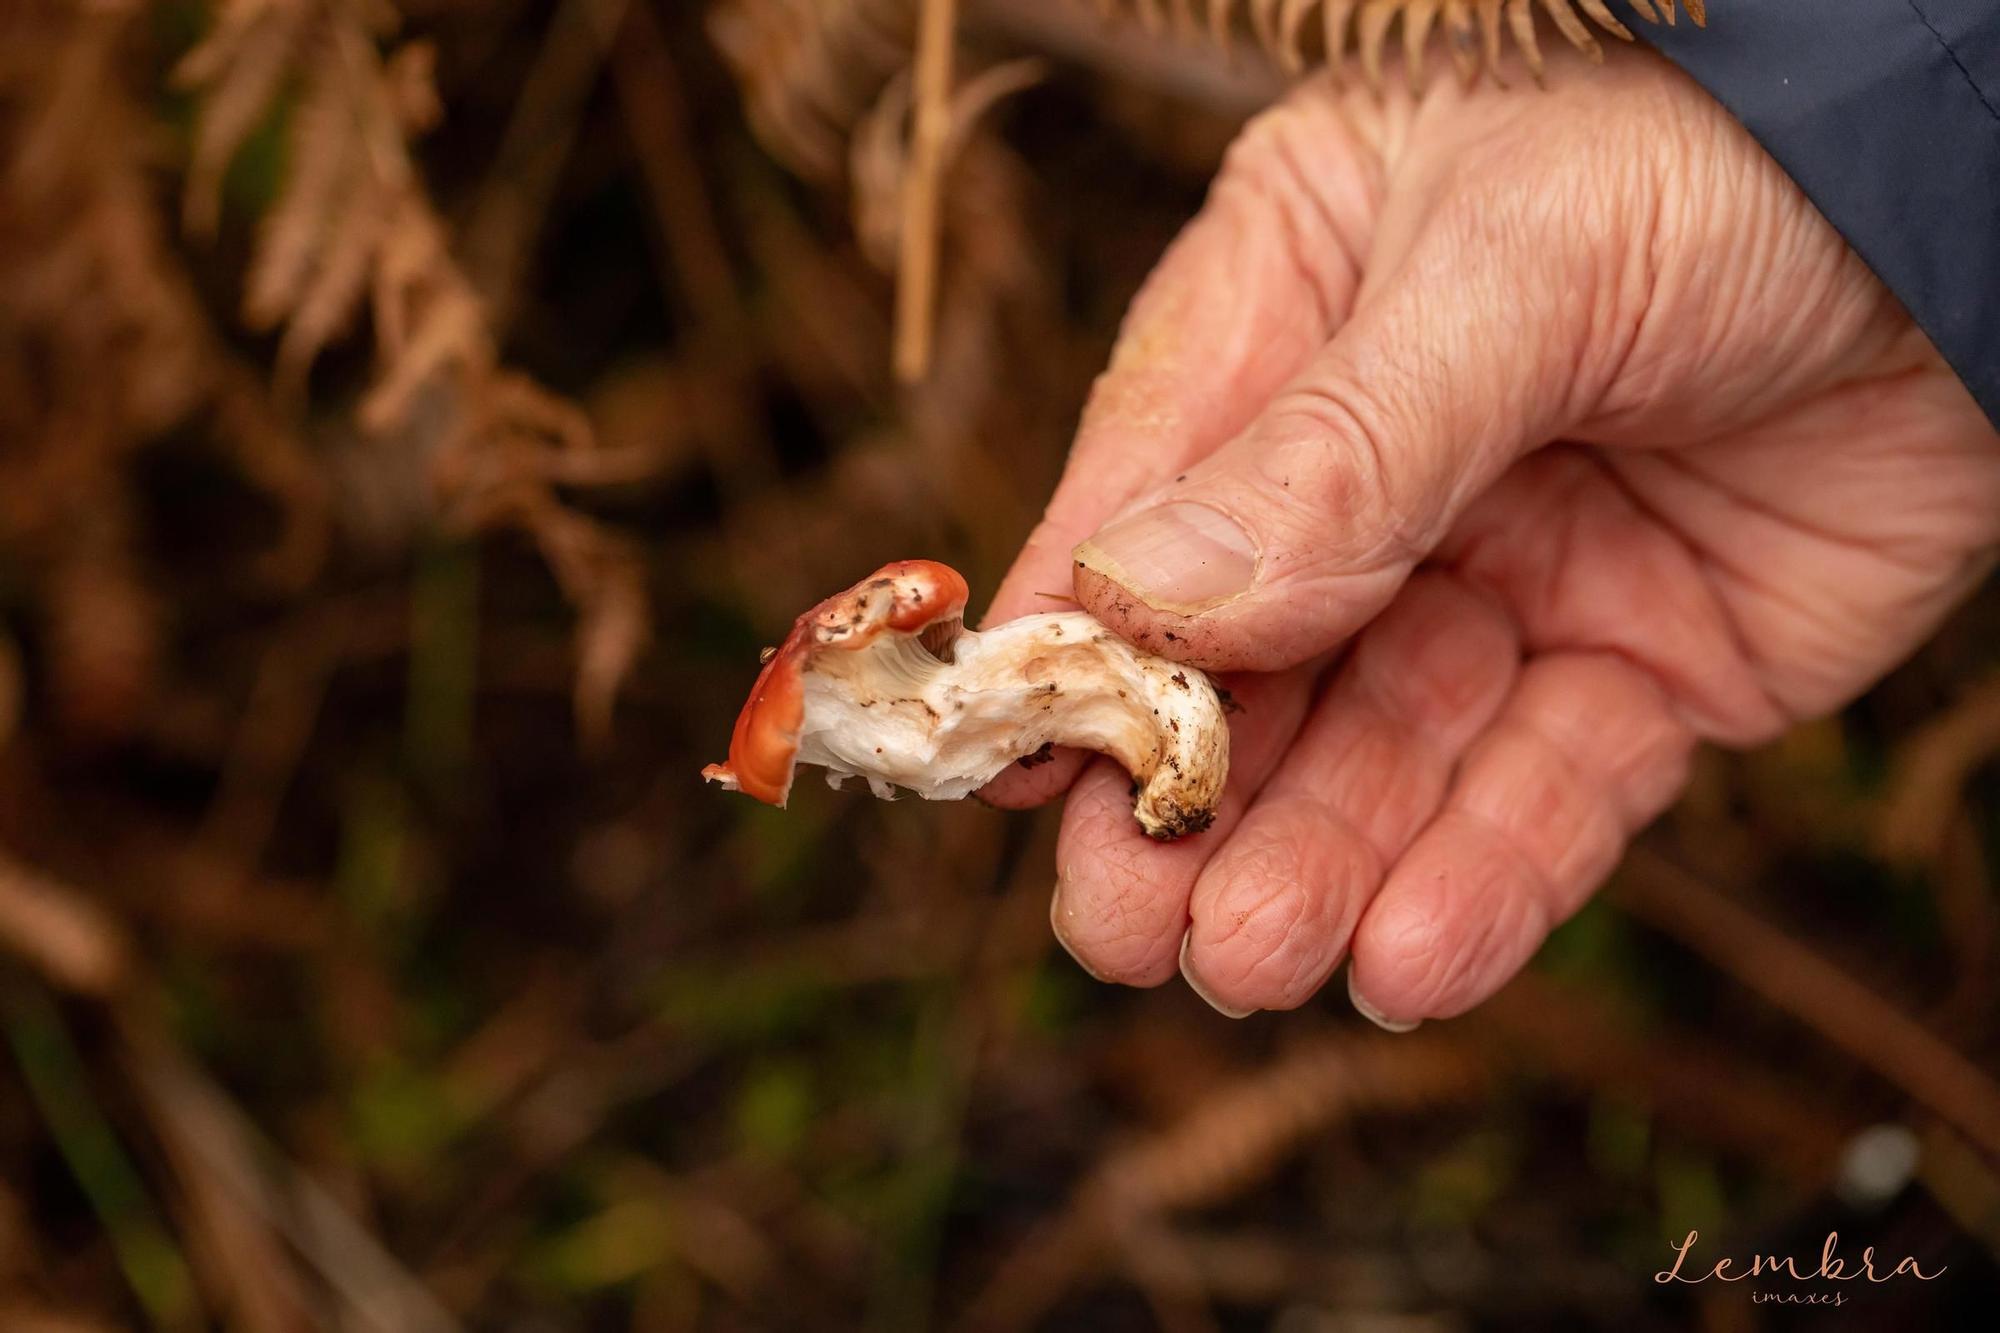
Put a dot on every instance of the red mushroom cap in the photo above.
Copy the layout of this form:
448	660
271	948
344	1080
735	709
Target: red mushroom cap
901	598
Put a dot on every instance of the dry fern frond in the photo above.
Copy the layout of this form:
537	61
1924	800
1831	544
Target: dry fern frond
353	227
1301	34
350	217
246	59
122	351
498	471
351	220
1241	1131
427	318
810	69
349	210
879	155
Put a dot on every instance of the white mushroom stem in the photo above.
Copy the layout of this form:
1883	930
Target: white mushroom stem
943	724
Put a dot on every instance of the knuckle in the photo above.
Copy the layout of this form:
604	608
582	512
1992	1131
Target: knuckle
1329	464
1278	141
1117	924
1119	914
1613	719
1440	659
1550	813
1451	927
1273	907
1296	175
1407	952
1251	922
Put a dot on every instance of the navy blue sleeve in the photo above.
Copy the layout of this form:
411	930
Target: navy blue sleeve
1887	114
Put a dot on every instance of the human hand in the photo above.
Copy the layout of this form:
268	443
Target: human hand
1479	660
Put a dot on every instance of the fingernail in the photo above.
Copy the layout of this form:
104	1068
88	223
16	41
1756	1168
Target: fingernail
1374	1015
1179	557
1058	916
1194	984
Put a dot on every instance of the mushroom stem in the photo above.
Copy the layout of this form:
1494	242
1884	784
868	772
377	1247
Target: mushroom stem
900	717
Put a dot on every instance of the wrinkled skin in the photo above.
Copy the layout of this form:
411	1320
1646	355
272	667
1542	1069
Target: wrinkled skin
1564	434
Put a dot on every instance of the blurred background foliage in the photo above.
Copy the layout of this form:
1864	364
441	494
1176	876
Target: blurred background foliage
413	420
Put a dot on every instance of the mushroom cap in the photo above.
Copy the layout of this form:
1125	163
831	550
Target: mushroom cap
904	597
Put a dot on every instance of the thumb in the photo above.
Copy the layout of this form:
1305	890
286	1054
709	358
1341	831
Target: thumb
1287	539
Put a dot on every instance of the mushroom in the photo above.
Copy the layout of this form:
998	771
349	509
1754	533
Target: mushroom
884	682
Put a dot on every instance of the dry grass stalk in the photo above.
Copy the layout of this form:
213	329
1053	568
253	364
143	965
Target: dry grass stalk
810	68
65	935
11	686
238	1181
808	73
910	199
990	367
880	165
239	1257
237	1208
916	272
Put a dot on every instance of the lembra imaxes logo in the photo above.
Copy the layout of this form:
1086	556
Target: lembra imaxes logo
1768	1266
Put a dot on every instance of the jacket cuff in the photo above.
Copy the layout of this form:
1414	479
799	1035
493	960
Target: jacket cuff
1887	114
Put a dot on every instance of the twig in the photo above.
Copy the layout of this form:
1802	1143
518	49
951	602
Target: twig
1931	770
1570	1032
10	689
1963	884
1235	1135
1791	976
